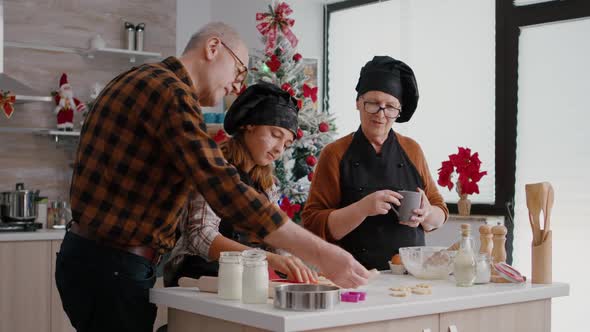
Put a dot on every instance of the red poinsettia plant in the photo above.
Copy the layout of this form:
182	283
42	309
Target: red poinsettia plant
467	166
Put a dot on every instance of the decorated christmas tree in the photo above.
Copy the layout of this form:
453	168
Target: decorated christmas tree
281	64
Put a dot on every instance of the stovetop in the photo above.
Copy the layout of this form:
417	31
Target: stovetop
19	226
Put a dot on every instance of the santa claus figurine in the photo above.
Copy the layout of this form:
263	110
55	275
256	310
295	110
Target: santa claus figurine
66	104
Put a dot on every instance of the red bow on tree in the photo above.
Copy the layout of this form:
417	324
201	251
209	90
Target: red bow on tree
309	92
6	102
269	23
290	209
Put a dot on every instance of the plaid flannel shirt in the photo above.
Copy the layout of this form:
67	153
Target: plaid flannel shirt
143	148
199	226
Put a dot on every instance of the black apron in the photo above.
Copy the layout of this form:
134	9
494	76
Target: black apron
362	172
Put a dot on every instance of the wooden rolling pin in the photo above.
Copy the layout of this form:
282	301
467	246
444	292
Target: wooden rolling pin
208	284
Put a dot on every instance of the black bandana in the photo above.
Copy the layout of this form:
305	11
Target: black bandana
262	104
393	77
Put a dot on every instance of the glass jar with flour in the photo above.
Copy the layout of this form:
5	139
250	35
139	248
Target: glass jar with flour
230	275
255	277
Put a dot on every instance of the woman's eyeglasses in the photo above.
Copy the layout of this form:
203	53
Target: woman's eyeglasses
389	111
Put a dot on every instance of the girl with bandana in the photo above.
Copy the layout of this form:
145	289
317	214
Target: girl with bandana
263	123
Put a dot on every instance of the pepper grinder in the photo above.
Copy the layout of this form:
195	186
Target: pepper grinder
499	251
485	239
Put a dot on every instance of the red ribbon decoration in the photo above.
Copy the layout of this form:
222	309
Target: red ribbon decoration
309	92
269	23
7	101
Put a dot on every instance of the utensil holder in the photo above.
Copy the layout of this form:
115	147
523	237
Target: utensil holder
541	261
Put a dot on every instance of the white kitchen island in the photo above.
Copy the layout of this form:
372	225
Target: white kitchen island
490	307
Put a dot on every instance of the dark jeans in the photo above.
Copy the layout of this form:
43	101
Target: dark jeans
104	289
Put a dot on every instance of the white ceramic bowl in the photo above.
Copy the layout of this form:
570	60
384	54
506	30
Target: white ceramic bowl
427	262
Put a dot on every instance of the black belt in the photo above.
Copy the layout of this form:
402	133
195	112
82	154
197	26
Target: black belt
148	253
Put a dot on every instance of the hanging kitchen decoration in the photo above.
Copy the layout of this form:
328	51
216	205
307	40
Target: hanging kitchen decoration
66	103
7	101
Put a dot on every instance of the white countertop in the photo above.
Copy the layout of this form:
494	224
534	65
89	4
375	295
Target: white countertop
378	306
38	235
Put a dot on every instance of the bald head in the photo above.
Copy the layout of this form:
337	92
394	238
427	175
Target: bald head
228	34
215	59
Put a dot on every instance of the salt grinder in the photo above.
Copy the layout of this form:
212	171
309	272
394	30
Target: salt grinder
485	240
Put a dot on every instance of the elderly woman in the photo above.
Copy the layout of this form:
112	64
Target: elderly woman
358	176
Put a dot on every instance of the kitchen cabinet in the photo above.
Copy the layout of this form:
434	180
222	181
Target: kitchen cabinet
427	323
518	317
182	321
29	299
25	289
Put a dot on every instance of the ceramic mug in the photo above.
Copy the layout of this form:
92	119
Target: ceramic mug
411	201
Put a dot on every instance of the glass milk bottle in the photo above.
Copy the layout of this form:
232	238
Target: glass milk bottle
464	264
230	275
255	277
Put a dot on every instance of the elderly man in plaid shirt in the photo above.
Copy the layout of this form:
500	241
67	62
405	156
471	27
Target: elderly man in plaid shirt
143	149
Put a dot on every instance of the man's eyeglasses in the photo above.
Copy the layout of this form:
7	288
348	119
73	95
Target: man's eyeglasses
242	69
389	111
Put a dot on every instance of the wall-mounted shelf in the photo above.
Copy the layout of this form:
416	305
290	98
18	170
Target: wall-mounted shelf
61	133
57	134
20	130
133	56
40	47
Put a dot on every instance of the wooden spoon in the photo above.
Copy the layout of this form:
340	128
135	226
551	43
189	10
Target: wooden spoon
547	212
535	202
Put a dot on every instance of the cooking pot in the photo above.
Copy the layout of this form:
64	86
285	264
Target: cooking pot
19	205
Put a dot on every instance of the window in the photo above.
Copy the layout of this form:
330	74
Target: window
552	145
